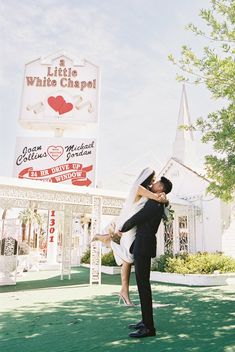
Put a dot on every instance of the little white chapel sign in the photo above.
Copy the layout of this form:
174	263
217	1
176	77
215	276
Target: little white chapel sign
59	92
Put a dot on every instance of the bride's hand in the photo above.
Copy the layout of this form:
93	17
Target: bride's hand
160	197
112	228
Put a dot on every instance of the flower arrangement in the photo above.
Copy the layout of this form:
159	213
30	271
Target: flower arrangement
168	216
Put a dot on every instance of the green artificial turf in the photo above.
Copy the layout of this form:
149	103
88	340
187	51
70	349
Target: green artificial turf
187	319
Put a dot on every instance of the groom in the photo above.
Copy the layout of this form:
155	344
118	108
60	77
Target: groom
147	221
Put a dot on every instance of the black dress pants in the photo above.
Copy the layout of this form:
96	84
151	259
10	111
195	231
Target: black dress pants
142	272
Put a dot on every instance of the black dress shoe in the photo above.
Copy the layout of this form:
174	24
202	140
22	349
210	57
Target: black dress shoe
137	326
143	332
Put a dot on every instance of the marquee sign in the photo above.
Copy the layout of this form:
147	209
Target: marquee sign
59	92
56	160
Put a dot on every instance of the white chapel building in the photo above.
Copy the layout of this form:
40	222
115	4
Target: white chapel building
207	224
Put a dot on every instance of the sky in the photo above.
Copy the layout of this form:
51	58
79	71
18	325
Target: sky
130	41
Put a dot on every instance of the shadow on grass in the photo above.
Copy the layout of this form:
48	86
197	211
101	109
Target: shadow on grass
188	319
80	276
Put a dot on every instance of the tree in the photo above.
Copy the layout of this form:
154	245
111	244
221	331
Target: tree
216	69
4	214
29	216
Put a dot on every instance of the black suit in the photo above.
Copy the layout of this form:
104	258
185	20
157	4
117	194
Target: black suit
147	221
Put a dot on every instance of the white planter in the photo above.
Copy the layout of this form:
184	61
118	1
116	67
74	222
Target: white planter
49	267
106	269
110	269
194	279
7	281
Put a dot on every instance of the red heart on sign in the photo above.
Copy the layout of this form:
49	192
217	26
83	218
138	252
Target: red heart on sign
59	104
66	107
56	103
55	151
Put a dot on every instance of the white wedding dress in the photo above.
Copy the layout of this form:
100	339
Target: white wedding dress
122	251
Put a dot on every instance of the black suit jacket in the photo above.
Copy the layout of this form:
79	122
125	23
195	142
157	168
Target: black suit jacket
147	221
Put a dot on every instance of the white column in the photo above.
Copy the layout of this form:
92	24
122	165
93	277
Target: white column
95	258
66	242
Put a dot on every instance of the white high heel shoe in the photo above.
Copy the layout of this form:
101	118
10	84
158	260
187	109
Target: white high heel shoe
122	300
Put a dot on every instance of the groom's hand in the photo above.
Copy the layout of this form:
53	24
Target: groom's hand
116	237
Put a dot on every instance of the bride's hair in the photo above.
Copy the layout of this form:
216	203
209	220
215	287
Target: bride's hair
144	180
146	183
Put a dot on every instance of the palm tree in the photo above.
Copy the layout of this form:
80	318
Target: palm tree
2	227
30	217
4	214
24	219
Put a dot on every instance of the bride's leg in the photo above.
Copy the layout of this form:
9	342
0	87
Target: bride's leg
106	239
125	277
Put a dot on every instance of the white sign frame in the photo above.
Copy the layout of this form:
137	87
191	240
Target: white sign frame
60	92
57	160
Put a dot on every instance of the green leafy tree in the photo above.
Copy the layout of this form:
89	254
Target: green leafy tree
215	68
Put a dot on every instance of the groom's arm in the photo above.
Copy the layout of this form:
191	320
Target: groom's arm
149	210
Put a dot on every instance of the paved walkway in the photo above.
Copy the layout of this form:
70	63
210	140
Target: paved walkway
50	315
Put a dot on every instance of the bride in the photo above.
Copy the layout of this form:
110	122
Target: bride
138	196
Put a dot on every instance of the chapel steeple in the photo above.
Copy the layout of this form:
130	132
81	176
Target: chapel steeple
183	138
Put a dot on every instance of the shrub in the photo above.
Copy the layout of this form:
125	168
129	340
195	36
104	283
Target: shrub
106	259
199	263
160	263
85	259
